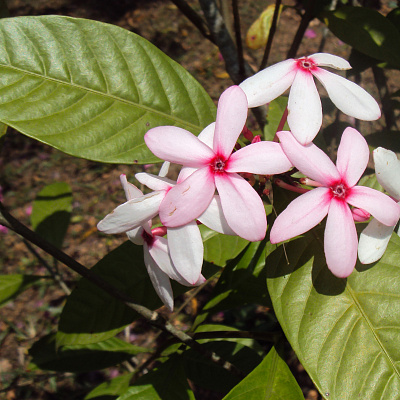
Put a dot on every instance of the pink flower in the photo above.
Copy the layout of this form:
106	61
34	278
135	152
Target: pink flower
214	166
332	198
304	104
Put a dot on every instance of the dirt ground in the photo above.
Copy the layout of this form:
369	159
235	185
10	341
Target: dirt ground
27	166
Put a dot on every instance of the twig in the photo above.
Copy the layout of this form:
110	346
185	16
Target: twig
238	37
152	316
271	34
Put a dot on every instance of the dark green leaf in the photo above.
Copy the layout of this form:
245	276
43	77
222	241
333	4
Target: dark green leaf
271	380
394	18
90	357
91	89
366	30
387	139
51	212
12	285
110	390
345	332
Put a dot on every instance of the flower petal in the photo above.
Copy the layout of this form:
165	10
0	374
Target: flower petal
269	83
302	214
309	160
215	219
154	182
352	156
348	97
133	213
135	235
186	250
378	204
177	145
387	169
340	242
265	158
373	241
159	279
164	169
231	117
304	108
131	191
242	206
187	201
329	60
207	135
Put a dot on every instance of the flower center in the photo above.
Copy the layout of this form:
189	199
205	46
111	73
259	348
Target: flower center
306	63
218	165
149	239
339	191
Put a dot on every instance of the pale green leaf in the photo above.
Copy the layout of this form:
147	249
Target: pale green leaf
276	109
12	285
345	332
271	380
91	89
112	389
51	212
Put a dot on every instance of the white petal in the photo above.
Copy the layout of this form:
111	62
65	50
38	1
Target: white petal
373	241
186	250
215	219
207	135
348	97
387	169
131	191
304	108
135	235
164	169
159	279
331	61
154	182
269	83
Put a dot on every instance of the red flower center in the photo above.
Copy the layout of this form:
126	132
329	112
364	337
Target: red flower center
339	190
306	63
218	165
149	239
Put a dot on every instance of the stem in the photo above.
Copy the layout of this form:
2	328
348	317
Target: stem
152	316
238	36
271	34
284	185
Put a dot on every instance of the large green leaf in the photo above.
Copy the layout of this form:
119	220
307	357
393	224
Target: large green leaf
12	285
271	380
366	30
276	108
110	390
51	212
346	332
91	89
91	357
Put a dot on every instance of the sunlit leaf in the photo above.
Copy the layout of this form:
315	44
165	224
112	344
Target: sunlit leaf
345	332
51	212
271	380
276	109
112	389
90	357
91	89
12	285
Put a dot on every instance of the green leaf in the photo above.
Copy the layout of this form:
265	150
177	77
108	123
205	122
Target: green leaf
387	139
110	390
51	212
167	382
91	357
394	18
219	248
271	380
345	332
276	109
91	89
12	285
366	30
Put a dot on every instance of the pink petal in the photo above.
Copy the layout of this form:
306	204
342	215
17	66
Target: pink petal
387	169
348	97
265	158
231	117
373	241
184	173
331	61
269	83
159	279
177	145
207	135
131	191
215	219
132	214
352	156
309	160
378	204
154	182
187	201
340	242
186	250
304	108
242	206
302	214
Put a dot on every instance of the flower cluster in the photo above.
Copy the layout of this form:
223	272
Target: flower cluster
211	187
